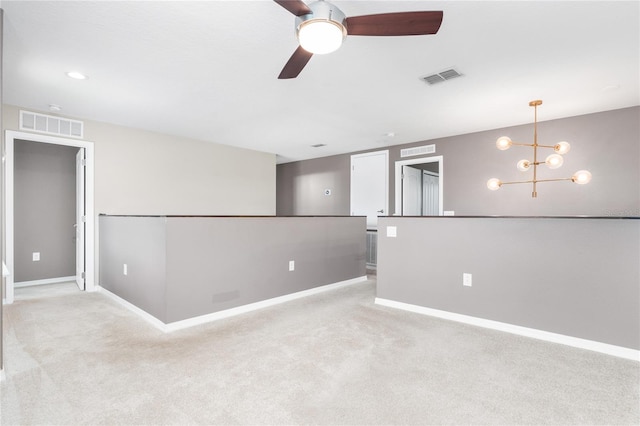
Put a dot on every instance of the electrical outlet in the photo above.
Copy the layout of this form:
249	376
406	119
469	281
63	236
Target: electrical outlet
292	265
125	269
466	280
36	256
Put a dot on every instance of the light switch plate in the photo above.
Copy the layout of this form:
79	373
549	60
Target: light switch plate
467	280
392	231
36	256
292	265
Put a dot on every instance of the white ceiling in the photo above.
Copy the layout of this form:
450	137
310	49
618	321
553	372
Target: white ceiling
208	69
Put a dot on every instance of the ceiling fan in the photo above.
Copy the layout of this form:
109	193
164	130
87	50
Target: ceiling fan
321	27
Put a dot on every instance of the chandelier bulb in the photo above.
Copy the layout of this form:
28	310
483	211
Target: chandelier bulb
581	177
494	184
503	143
562	147
523	165
554	161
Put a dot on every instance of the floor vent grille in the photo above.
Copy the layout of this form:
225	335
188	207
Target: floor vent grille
441	76
372	248
418	150
51	125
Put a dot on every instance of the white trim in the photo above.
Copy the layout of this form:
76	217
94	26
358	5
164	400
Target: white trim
203	319
605	348
10	137
133	308
44	282
3	377
398	178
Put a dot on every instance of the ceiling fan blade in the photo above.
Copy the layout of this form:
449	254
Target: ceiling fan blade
296	63
297	7
395	24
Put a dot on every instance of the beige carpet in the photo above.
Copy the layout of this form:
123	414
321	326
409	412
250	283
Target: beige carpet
334	358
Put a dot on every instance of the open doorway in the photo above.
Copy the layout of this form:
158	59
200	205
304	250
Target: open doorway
419	187
83	229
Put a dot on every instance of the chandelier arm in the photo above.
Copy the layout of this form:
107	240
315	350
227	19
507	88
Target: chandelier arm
535	181
521	144
554	180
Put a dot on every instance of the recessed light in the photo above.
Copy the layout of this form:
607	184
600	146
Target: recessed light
76	75
55	108
389	135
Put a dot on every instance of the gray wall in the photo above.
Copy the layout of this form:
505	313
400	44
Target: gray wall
606	143
44	210
301	187
217	263
140	243
573	276
147	173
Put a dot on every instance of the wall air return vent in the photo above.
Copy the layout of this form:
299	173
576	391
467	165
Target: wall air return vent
441	76
418	150
51	125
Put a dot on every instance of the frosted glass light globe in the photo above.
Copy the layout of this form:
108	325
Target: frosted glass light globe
554	161
562	147
523	165
320	36
581	177
503	143
494	184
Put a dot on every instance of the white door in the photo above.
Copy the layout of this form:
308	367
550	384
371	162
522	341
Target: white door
411	191
369	186
80	219
430	197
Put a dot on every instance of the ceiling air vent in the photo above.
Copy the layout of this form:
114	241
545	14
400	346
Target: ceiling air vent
418	150
51	125
441	76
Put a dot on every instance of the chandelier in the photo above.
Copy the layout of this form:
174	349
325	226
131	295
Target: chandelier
553	161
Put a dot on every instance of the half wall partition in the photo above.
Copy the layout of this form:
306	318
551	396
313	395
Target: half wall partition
181	270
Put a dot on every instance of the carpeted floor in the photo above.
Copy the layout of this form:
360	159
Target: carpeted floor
334	358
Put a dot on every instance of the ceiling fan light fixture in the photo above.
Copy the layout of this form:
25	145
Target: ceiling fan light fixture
320	36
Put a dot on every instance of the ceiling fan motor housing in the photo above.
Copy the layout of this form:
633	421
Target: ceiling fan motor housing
322	12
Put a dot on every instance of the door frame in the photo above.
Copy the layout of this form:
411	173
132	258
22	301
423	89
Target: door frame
89	248
398	178
81	217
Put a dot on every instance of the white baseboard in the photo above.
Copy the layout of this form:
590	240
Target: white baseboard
133	308
44	282
576	342
203	319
